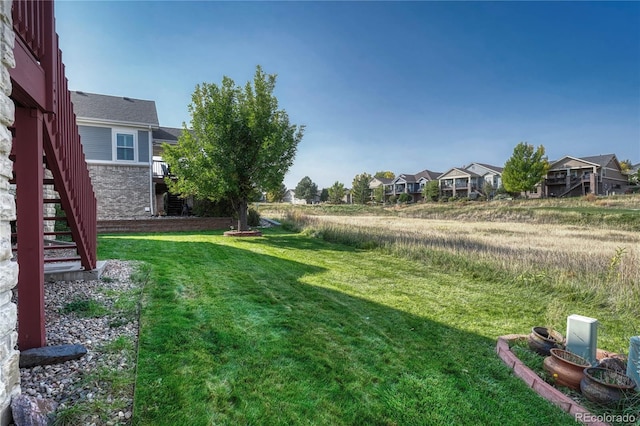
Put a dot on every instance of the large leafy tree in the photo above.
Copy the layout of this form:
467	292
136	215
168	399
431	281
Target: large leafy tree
360	192
431	190
336	193
324	195
378	194
239	142
525	169
306	190
277	195
385	174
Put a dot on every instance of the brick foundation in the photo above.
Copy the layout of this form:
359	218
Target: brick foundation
165	225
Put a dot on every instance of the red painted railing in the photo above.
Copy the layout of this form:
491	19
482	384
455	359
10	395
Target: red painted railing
34	24
28	20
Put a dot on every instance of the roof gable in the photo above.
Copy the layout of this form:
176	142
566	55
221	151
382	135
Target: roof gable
456	172
488	168
603	160
376	182
405	177
568	162
427	175
114	109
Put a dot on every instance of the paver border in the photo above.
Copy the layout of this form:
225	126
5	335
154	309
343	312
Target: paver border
541	387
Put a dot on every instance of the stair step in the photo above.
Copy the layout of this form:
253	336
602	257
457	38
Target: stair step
48	181
61	259
55	218
60	246
51	200
58	233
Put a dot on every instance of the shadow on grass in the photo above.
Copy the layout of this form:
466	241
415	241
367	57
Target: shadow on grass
231	334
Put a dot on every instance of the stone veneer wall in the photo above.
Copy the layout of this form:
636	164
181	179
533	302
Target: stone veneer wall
9	356
122	191
49	209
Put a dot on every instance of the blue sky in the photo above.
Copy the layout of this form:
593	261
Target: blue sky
400	86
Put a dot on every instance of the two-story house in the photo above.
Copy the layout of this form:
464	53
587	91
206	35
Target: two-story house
411	184
470	180
116	134
571	176
122	141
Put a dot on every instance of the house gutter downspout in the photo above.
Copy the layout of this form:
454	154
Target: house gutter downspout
151	191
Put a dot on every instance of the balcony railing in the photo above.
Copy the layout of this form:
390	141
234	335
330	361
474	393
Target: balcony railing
160	169
33	22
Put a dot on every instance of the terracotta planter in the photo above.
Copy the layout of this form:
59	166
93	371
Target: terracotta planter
605	386
566	368
542	340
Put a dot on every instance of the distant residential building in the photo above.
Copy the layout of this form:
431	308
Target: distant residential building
469	181
571	176
405	183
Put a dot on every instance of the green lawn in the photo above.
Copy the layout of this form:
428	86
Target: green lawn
287	329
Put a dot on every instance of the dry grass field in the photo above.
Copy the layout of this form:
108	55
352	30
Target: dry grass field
587	261
526	246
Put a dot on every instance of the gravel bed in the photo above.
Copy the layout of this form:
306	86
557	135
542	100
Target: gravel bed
64	383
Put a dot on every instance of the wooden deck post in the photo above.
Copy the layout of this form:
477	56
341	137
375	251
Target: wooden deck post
28	147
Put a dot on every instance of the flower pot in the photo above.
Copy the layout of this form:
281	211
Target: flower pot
605	386
542	339
566	367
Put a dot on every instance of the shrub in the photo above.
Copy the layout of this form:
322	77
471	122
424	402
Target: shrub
590	197
253	218
393	199
404	198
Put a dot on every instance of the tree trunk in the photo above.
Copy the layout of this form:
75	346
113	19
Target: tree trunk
242	216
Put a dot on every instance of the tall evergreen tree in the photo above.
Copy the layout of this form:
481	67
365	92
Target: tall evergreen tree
360	192
336	193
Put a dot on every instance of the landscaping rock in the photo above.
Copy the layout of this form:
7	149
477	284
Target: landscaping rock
51	355
31	411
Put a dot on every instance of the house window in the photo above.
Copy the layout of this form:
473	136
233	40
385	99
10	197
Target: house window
124	145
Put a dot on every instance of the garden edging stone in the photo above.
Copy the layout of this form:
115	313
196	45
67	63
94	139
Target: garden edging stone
543	388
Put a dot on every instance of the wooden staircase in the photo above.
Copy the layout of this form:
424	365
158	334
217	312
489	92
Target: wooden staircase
45	131
54	241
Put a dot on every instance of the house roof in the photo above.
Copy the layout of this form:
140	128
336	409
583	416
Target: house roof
377	181
427	174
384	181
458	172
490	167
410	178
405	177
597	160
92	106
168	134
601	160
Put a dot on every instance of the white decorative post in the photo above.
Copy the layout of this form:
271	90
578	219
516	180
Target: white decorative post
582	336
